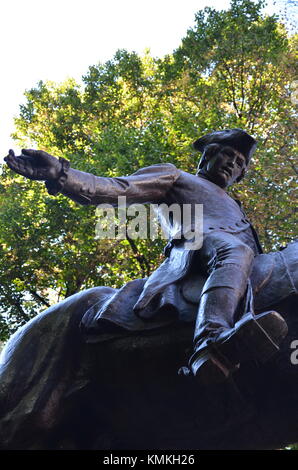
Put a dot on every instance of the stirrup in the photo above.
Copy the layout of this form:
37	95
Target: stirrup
208	369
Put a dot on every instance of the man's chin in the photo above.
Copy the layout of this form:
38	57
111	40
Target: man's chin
222	180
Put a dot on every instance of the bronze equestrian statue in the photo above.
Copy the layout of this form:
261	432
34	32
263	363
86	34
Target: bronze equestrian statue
216	286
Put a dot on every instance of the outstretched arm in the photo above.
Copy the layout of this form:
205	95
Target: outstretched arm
150	184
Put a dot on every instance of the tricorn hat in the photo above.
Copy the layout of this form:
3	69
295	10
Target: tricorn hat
235	138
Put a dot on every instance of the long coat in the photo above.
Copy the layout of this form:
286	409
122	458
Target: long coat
164	184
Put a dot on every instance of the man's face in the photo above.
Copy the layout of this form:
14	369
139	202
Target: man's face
225	166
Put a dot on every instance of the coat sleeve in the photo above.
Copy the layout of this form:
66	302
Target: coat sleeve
150	184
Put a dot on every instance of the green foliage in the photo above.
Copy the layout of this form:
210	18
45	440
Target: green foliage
233	69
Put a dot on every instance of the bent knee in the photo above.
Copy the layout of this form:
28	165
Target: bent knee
244	251
238	253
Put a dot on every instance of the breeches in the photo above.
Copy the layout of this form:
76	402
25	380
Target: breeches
220	256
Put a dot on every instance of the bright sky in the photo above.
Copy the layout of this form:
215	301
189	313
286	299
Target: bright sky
56	39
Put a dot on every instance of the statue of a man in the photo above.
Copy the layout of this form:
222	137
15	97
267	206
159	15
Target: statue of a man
229	241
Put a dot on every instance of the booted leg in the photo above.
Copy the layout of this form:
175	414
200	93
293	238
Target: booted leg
216	313
220	344
230	263
220	300
215	320
253	337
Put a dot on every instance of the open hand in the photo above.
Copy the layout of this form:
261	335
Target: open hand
34	164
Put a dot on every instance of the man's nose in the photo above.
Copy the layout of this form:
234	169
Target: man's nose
231	161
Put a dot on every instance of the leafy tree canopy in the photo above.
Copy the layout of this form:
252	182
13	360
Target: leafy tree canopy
235	68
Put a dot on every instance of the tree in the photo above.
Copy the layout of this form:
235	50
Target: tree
233	69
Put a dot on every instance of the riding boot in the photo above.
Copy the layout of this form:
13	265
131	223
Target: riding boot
220	343
220	298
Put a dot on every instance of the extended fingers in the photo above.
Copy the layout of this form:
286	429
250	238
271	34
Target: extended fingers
30	152
18	164
21	158
10	154
34	153
15	163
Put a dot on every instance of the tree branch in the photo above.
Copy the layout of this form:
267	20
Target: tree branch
143	262
39	298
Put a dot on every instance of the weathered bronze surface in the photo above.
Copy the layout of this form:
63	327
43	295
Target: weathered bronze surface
214	288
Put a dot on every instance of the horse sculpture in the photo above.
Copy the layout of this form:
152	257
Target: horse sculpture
116	388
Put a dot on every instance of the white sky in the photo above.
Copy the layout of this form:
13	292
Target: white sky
53	40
